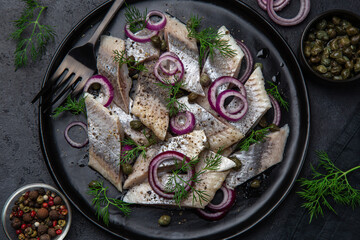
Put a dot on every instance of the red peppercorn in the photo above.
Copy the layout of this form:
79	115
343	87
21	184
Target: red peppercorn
51	203
14	214
20	213
23	226
18	231
33	213
45	205
62	207
51	198
54	223
64	212
58	232
29	225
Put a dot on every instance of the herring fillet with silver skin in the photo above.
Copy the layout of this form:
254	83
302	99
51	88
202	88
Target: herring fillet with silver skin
150	102
210	182
118	76
190	144
142	51
105	134
259	157
219	134
176	36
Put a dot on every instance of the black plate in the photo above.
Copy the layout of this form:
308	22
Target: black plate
68	165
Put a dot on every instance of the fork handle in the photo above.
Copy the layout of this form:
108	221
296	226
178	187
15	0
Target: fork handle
109	16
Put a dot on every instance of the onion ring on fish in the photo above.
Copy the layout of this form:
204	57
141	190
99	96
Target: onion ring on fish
169	71
278	4
182	123
220	101
137	38
153	178
176	77
157	26
106	89
72	142
277	110
249	61
226	203
302	14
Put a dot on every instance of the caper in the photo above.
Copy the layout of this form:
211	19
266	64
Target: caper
348	52
345	23
311	37
94	184
136	125
322	35
340	30
334	44
336	54
316	50
255	183
156	41
357	67
327	75
163	46
237	162
337	78
263	123
273	128
321	25
351	31
205	80
355	39
164	220
334	63
307	51
135	76
126	168
260	65
192	97
345	73
344	41
325	61
336	70
349	64
327	51
331	32
336	20
341	60
321	69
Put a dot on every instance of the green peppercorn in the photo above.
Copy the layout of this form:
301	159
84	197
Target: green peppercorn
237	162
21	236
205	80
28	231
156	41
164	220
40	199
21	199
34	234
321	69
192	97
62	223
256	183
26	209
163	46
126	168
136	125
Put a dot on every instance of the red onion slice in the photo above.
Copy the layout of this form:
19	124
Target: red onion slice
302	14
72	142
221	109
226	203
211	216
158	25
138	38
182	123
106	91
220	81
249	61
154	181
124	150
176	77
278	4
168	71
277	110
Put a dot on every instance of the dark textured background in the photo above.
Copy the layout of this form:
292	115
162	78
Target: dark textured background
21	160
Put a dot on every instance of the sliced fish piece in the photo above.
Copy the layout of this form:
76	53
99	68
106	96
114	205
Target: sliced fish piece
176	36
210	182
219	134
150	102
105	133
259	157
188	144
142	51
118	76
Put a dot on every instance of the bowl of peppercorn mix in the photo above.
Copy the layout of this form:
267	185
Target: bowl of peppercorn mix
36	212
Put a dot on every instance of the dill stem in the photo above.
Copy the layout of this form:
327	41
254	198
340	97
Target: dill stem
36	23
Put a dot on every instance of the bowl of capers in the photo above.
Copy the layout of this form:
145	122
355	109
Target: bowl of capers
36	212
330	46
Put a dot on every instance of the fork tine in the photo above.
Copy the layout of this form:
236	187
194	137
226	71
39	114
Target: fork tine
79	87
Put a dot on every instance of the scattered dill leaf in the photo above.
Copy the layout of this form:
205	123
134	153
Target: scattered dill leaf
333	183
119	57
135	18
74	106
30	43
102	202
254	137
274	91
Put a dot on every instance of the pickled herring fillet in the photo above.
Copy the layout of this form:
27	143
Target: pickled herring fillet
118	76
176	36
105	134
150	102
188	144
259	157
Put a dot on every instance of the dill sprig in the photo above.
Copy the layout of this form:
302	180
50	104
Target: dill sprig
33	44
173	104
102	202
135	19
274	91
254	137
120	58
333	183
74	106
177	184
209	39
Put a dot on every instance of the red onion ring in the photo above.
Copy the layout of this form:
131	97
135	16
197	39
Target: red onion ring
221	109
124	150
106	88
302	14
211	216
182	123
277	110
217	83
137	38
158	25
154	181
278	4
72	142
226	203
179	66
168	72
249	61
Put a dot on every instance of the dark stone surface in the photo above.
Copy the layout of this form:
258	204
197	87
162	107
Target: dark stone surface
21	160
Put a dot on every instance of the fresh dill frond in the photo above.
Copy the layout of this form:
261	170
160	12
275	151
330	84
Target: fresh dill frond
135	19
209	39
120	58
30	43
74	106
331	184
254	137
102	202
274	91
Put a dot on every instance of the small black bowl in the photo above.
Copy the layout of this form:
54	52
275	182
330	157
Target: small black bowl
353	18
